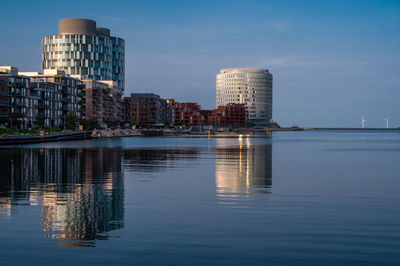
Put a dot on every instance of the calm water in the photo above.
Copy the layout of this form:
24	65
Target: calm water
303	198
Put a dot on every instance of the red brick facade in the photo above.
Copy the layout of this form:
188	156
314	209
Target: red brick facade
190	114
231	114
186	114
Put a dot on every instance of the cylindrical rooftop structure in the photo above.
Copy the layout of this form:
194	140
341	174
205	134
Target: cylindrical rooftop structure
77	26
103	31
82	48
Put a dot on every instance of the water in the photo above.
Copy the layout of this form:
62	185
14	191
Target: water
304	198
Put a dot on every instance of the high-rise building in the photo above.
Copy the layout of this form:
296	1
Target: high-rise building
82	48
249	86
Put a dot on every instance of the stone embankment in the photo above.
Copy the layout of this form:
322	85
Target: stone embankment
114	133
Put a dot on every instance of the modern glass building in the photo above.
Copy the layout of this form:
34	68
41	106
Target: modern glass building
82	48
249	86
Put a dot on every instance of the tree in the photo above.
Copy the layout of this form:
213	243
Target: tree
39	121
90	124
71	121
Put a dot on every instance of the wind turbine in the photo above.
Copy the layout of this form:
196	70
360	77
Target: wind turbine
387	121
363	122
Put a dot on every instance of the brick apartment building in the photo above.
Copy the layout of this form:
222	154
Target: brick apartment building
186	114
102	101
32	99
146	109
232	114
15	104
70	89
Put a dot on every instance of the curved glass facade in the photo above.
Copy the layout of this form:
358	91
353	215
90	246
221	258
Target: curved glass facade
95	56
249	86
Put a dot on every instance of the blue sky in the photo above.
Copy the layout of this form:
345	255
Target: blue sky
332	61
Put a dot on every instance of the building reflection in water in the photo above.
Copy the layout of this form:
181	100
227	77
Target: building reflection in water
155	160
242	170
80	191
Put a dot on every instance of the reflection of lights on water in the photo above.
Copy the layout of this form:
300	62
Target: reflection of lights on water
5	207
242	172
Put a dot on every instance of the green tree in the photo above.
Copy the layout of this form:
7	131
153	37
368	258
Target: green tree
71	121
39	121
90	124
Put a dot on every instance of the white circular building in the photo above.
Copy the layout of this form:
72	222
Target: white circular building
82	48
249	86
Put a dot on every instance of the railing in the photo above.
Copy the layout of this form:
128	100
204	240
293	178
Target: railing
34	96
43	106
3	114
19	93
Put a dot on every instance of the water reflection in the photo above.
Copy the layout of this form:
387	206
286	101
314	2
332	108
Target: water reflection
155	160
242	170
80	191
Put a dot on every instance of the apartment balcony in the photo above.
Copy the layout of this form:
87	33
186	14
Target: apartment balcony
21	104
66	91
108	98
4	115
18	94
35	96
81	102
97	103
42	115
66	100
81	94
4	104
66	108
18	113
96	96
4	94
43	106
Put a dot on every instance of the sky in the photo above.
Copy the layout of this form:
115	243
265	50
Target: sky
332	61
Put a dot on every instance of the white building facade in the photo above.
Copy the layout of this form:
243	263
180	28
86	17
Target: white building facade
249	86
